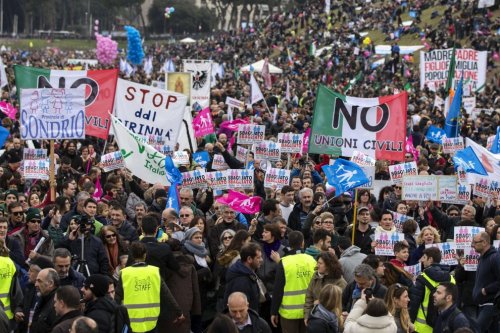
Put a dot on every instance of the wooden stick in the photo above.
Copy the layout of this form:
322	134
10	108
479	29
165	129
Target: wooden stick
52	171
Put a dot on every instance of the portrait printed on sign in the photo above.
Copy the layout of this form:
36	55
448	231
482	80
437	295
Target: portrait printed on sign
180	83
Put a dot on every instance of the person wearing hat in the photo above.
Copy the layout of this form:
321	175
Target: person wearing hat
144	294
31	234
14	158
363	231
10	196
98	305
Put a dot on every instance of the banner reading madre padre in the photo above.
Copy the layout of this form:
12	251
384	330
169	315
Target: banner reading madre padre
373	126
146	110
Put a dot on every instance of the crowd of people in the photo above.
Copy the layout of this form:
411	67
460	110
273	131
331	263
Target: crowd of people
306	262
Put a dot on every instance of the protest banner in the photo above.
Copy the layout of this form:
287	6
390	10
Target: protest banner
451	145
447	188
112	161
471	259
53	114
141	159
203	124
235	103
180	83
343	124
385	242
34	154
155	140
485	3
241	154
463	236
434	66
291	143
420	188
164	149
448	252
398	171
201	158
267	150
240	178
276	178
398	220
200	83
146	110
469	103
100	86
250	133
218	180
195	179
36	169
180	157
218	163
362	159
414	270
482	187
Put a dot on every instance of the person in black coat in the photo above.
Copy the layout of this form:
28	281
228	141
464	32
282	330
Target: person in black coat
239	312
98	305
449	317
45	316
242	275
364	277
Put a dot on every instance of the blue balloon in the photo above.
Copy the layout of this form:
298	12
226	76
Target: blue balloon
135	53
172	9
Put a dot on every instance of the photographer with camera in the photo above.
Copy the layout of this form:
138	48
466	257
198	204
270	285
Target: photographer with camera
88	248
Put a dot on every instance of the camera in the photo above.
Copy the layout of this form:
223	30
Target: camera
84	223
368	294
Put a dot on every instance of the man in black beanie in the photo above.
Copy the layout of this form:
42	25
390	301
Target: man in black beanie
98	305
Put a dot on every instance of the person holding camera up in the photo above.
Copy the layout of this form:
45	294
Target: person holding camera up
89	249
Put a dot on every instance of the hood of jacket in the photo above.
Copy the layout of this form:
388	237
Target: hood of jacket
350	251
237	270
101	304
438	273
185	262
376	323
320	312
313	251
227	257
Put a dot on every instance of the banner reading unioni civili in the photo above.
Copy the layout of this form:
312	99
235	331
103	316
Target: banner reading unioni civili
373	126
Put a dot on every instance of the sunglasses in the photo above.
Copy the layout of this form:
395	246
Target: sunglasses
397	187
185	215
227	238
35	221
110	236
17	213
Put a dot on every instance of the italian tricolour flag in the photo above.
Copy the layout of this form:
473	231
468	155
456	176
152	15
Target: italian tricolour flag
344	124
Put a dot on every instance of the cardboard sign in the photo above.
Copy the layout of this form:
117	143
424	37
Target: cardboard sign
448	253
36	169
399	220
362	159
398	171
414	270
218	163
385	242
420	188
180	158
240	178
451	145
194	179
218	180
267	150
471	258
112	161
34	154
291	143
276	178
463	236
250	133
447	188
241	154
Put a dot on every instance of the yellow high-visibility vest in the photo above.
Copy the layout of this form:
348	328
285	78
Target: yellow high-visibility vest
299	270
7	272
141	289
421	323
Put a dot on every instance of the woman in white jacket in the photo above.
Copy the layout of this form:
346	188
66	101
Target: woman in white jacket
369	318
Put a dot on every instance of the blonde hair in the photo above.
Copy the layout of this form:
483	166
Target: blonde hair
395	291
330	297
326	215
420	237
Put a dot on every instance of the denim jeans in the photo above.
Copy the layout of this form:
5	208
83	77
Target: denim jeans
487	319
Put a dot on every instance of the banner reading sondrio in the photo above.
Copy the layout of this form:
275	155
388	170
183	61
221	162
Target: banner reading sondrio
434	66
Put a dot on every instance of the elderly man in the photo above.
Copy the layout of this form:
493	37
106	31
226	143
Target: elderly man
300	211
246	319
186	216
78	209
447	223
45	315
67	307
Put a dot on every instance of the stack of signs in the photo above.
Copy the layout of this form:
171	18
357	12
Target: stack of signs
267	150
471	260
276	178
291	143
250	134
451	145
112	161
404	169
463	236
218	163
218	180
241	154
36	169
398	220
34	154
194	179
414	270
448	252
420	188
385	242
240	178
180	157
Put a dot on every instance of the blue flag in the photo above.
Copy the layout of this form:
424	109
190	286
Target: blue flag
174	176
202	158
173	198
495	146
344	175
4	134
451	122
435	134
467	159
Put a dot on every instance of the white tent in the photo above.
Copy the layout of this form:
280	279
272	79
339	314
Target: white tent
188	40
257	67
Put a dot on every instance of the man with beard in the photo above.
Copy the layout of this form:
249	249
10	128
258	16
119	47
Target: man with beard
362	235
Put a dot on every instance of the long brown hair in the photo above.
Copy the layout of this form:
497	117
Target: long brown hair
394	292
330	297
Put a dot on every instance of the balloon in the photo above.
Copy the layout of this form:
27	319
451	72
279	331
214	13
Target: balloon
96	22
135	52
106	50
496	56
366	53
367	41
407	73
167	15
172	9
406	57
167	9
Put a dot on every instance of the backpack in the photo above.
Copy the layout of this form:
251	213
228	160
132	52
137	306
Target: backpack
451	319
432	312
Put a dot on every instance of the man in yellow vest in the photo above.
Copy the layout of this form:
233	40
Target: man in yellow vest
144	294
421	312
292	279
11	296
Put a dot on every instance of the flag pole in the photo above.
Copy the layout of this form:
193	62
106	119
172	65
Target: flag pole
52	171
354	215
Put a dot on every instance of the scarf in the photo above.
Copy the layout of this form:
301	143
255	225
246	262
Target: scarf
30	241
268	248
112	252
197	250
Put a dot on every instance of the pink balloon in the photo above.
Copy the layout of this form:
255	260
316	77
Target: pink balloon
496	56
407	73
106	49
406	57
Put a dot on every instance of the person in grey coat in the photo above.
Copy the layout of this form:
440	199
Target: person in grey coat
350	258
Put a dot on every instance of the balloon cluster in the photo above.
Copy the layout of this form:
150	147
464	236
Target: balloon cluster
96	27
135	53
107	49
169	11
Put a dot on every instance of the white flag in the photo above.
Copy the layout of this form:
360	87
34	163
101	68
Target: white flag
169	66
275	114
148	66
123	65
140	158
3	75
255	90
230	113
287	95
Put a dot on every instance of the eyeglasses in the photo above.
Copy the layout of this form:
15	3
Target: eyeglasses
397	187
227	238
328	222
110	236
35	221
17	213
185	215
